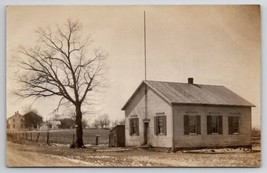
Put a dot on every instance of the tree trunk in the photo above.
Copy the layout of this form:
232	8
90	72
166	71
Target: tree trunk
79	129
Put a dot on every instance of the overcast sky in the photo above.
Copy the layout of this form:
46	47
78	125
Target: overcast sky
217	45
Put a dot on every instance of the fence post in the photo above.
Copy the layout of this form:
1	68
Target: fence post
47	140
96	139
37	137
73	138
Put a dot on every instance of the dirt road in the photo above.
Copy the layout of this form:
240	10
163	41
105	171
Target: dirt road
18	157
35	155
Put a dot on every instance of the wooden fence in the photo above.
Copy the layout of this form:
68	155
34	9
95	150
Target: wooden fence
61	136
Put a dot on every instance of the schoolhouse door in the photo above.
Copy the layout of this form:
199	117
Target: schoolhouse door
146	132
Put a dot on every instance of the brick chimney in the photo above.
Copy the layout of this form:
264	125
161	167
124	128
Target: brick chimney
190	80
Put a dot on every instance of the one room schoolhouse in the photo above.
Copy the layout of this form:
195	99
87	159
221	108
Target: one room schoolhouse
186	115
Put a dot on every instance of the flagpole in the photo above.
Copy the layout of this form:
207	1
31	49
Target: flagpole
145	40
146	116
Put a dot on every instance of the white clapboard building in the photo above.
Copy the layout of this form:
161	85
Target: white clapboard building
186	115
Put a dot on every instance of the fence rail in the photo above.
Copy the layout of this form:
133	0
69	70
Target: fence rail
92	137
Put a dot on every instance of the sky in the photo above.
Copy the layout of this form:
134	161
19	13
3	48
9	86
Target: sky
216	45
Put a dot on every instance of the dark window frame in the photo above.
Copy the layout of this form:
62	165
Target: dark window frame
192	125
233	125
160	124
134	126
214	124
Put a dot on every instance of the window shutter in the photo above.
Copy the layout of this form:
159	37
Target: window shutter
156	126
164	125
238	124
209	130
230	125
186	123
198	124
130	126
137	126
220	125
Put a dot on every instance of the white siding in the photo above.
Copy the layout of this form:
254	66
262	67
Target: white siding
205	140
155	104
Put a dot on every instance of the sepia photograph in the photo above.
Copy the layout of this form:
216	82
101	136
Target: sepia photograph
133	86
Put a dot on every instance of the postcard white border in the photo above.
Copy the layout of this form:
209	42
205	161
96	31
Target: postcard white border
4	3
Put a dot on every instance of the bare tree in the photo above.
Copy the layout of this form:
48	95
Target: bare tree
84	124
102	121
118	122
95	124
60	66
32	118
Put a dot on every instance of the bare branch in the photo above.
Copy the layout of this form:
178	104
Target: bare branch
60	66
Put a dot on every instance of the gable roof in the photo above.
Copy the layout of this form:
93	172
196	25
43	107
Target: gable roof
17	114
184	93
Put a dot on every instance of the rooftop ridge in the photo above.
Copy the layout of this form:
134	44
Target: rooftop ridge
191	93
181	83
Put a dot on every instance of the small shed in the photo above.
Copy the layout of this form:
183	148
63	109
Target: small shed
117	136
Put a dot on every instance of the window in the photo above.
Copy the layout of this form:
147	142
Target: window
14	126
8	126
13	120
21	120
21	126
233	125
214	124
192	124
134	126
160	124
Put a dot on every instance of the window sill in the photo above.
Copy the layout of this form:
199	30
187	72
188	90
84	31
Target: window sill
215	134
161	134
193	134
235	134
134	135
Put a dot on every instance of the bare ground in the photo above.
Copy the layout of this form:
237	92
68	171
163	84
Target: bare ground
36	155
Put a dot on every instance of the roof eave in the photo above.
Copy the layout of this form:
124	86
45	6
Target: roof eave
207	104
151	87
132	96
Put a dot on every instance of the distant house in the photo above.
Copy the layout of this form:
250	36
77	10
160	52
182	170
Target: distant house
44	127
186	115
54	124
16	123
